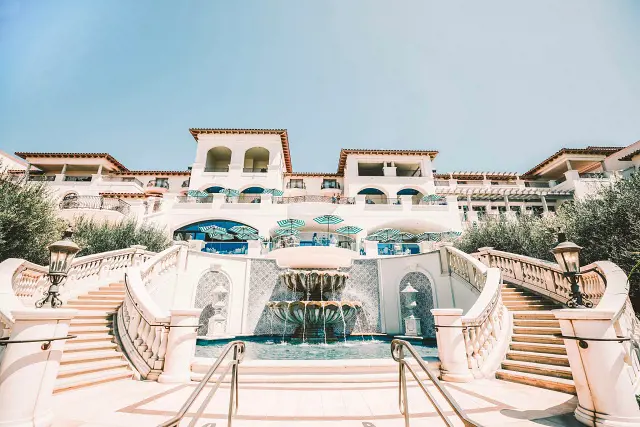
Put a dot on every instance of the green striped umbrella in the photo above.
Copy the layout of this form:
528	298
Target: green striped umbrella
212	227
429	236
287	232
243	229
197	193
349	229
247	236
273	191
229	192
406	236
220	234
328	220
385	234
432	198
291	223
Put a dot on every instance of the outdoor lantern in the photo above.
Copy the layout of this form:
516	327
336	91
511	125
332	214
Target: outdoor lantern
567	255
61	256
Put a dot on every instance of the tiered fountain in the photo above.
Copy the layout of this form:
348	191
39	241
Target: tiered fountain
315	317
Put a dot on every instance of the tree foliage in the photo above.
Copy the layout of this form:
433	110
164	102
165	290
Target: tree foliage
606	224
28	219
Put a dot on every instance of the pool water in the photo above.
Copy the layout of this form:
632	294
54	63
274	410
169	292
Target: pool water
260	348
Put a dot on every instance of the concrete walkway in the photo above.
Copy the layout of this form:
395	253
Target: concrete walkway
137	403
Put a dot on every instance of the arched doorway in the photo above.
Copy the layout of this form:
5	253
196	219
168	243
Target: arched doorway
214	190
212	296
229	243
374	196
256	159
218	159
424	299
416	195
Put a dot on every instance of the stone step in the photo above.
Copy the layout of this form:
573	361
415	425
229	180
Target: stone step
550	383
76	329
535	330
71	347
91	316
538	348
85	323
87	338
528	307
522	300
108	303
88	356
547	359
538	368
113	292
76	369
112	288
536	323
98	298
102	308
88	380
542	339
541	315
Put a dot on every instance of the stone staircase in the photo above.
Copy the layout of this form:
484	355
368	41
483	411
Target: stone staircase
535	357
93	357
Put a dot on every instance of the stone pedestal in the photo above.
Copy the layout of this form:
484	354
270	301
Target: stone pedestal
451	347
28	370
605	391
181	346
412	326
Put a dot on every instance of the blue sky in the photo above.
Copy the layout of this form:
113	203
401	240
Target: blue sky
492	85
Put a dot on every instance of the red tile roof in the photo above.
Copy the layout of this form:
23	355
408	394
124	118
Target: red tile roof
589	150
346	151
107	156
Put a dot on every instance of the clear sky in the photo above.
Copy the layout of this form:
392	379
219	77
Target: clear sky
492	85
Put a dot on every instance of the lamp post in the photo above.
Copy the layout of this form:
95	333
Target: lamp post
567	256
62	254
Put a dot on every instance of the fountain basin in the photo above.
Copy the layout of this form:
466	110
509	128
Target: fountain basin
313	283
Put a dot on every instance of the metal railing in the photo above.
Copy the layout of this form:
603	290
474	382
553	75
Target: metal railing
95	202
42	177
122	179
238	348
330	184
85	178
296	184
191	199
224	169
158	184
315	199
255	170
398	348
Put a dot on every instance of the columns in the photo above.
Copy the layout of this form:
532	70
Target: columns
28	370
605	391
569	167
452	350
181	346
545	208
506	203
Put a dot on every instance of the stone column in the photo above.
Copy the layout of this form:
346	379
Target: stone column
605	392
452	351
371	248
545	208
181	346
29	370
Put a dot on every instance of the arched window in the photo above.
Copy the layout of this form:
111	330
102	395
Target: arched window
218	159
424	300
214	190
416	196
373	196
256	159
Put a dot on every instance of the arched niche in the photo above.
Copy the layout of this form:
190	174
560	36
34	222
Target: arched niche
256	159
424	299
416	195
212	296
218	160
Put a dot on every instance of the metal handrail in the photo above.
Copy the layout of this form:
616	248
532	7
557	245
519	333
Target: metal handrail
397	353
238	348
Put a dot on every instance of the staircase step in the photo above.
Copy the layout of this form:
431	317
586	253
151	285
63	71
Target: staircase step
76	369
535	330
538	348
91	379
536	323
89	356
71	347
112	292
541	315
547	359
93	338
528	307
110	303
103	308
91	316
100	298
538	369
76	329
557	384
542	339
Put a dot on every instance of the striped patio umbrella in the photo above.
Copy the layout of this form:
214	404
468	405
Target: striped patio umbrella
243	229
430	198
349	229
429	236
273	191
384	235
328	220
229	192
291	223
406	236
206	228
247	236
287	232
220	234
197	193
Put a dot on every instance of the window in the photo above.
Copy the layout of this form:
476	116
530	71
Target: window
330	183
296	183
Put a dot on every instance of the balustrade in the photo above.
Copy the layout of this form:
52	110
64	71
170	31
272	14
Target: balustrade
95	202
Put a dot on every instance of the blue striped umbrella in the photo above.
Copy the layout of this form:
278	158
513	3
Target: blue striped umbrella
328	220
349	229
229	192
430	198
197	193
287	232
273	191
220	234
385	234
243	229
211	227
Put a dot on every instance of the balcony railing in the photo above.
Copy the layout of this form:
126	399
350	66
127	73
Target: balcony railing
409	172
380	199
85	178
593	175
185	183
330	184
95	202
158	184
254	170
398	248
42	178
441	183
122	179
244	198
225	169
315	199
296	184
189	199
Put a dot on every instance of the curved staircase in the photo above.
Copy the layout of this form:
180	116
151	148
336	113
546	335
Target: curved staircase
93	357
535	356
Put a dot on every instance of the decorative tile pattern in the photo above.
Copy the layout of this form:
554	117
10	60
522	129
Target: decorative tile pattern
424	300
212	303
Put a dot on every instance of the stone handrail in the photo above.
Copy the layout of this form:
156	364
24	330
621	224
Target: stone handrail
142	326
483	326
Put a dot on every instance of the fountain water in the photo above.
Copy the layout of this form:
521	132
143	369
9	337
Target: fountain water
316	317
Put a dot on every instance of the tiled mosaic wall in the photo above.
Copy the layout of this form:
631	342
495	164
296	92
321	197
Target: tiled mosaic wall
424	299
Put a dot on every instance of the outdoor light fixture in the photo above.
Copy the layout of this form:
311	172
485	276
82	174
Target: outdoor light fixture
62	254
567	256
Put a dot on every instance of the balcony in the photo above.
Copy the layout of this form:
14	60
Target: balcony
330	188
315	199
41	178
157	187
84	178
295	188
255	170
123	179
296	184
94	202
219	169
